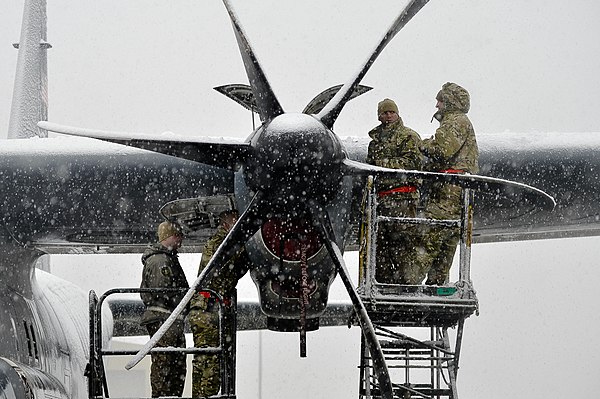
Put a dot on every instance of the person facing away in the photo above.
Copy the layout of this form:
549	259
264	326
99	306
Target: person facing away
204	310
395	146
453	149
163	270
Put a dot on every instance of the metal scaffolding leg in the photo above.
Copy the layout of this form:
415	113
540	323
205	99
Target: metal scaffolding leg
422	364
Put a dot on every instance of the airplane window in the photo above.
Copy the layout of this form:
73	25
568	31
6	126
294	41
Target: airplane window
34	341
29	348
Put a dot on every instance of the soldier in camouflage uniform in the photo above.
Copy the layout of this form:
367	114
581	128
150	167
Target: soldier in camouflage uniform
396	146
453	149
162	270
204	310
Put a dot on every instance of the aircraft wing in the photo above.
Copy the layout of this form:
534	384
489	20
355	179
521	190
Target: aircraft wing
564	165
127	314
211	151
76	195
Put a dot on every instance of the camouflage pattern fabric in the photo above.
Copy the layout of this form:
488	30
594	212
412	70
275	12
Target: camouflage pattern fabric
396	146
398	259
206	377
161	270
439	244
204	317
167	373
452	148
454	144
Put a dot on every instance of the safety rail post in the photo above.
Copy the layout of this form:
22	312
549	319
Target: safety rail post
228	372
90	371
366	275
466	236
373	229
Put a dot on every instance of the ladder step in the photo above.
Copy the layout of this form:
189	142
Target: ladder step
405	344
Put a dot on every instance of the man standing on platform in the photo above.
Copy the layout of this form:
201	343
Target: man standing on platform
453	149
162	270
204	310
396	146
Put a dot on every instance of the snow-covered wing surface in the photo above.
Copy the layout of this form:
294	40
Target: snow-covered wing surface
564	165
217	152
476	182
76	195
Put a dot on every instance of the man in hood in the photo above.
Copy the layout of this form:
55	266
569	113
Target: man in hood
453	149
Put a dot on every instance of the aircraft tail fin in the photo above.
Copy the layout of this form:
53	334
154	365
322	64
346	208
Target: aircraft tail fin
267	104
30	94
332	110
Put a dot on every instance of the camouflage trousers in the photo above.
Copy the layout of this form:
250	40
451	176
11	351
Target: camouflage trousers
439	243
167	373
398	245
206	370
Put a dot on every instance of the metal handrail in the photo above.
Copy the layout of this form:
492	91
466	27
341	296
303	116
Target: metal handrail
368	243
97	352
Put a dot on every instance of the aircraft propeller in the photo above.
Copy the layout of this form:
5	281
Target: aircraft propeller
312	138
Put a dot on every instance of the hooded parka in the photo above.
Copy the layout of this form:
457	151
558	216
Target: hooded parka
453	149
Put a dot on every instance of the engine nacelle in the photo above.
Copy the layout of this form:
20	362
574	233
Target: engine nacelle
276	251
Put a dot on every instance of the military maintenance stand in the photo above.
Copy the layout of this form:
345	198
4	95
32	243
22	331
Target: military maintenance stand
191	213
412	323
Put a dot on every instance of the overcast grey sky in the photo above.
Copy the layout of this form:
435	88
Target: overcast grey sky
149	66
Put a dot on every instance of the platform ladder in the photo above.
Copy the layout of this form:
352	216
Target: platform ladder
95	370
419	327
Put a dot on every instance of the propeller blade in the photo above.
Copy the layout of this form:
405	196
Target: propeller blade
480	183
211	151
239	234
332	110
379	365
320	101
266	101
240	93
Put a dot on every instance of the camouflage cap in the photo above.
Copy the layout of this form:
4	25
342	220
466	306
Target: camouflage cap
167	229
386	105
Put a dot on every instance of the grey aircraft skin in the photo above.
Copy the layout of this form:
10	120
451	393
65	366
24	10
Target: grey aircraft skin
74	195
71	201
62	202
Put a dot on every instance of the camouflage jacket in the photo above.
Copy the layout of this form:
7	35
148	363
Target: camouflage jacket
454	145
224	282
161	270
397	147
